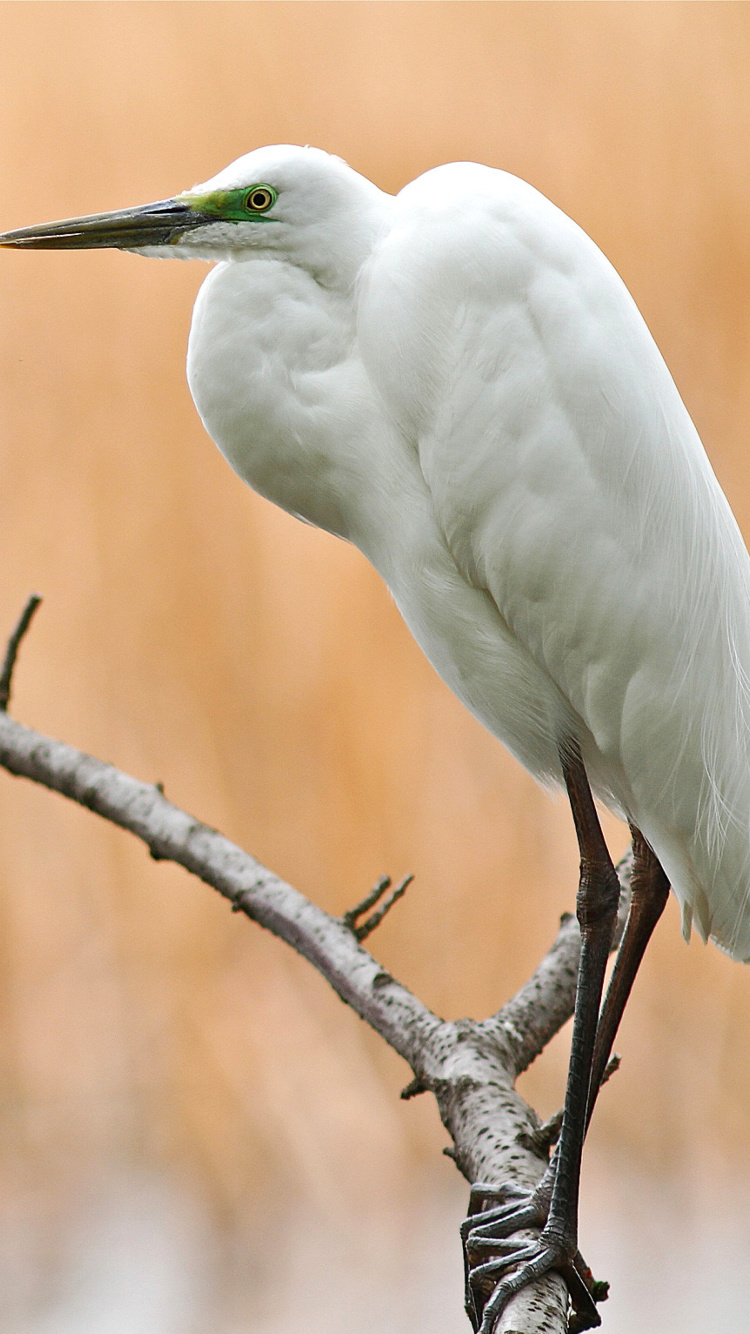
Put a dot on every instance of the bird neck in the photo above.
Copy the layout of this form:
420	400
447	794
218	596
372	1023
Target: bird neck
333	249
273	372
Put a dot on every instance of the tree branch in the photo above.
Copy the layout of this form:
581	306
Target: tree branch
469	1066
543	1004
171	834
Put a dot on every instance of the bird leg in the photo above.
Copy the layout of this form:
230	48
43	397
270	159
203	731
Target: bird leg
490	1284
649	891
498	1212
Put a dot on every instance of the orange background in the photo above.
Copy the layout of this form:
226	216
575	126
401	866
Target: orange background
194	635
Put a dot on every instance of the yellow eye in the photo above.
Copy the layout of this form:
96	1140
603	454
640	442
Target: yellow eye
260	198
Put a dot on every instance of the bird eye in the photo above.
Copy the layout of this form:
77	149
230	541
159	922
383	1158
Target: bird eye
260	198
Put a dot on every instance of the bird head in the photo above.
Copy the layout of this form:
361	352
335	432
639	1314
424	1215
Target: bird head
296	203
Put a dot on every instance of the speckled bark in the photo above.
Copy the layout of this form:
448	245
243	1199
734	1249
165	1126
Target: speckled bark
469	1066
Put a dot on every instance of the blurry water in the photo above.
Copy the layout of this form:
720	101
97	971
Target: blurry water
140	1257
137	1256
676	1252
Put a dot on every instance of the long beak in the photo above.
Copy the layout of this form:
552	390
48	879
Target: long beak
127	229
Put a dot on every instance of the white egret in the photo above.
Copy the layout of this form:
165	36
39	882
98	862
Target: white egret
457	381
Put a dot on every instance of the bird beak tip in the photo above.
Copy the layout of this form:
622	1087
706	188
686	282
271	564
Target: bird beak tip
126	229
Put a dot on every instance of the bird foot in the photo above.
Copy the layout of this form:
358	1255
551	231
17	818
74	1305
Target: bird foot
498	1264
499	1211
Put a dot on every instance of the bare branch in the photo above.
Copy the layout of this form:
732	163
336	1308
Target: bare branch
11	652
470	1067
539	1009
467	1066
172	834
544	1003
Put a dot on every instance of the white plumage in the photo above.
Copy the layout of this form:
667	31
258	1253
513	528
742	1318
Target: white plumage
457	380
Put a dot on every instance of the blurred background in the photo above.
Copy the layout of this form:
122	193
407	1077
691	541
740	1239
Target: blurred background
196	1135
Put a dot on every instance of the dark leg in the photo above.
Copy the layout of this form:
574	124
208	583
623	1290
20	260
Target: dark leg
649	891
557	1247
596	906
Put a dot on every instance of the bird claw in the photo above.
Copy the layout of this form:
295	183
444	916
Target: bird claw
504	1200
496	1267
530	1263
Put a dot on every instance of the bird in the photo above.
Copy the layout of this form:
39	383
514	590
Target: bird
456	380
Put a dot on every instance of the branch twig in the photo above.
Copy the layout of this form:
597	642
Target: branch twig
351	916
11	652
366	928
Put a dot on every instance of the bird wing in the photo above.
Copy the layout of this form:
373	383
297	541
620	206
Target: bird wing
569	483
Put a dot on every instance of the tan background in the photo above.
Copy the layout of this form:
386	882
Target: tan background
175	1084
